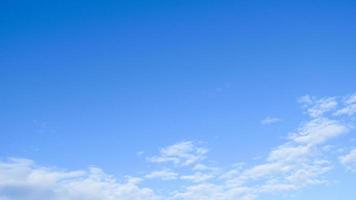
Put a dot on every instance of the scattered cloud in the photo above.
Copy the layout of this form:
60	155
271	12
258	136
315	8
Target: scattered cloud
270	120
198	177
351	99
317	107
23	180
301	161
350	106
349	160
183	153
203	167
140	153
318	131
165	174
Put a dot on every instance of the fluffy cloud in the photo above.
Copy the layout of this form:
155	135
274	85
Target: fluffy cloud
22	180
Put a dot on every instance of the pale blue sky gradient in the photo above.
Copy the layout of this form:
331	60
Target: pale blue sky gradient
94	83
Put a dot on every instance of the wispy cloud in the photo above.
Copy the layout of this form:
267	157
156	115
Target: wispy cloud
349	108
270	120
299	162
165	174
349	160
317	107
183	153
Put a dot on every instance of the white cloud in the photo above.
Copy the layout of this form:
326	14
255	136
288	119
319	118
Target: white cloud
318	131
351	99
296	164
306	100
349	110
183	153
289	152
299	162
270	120
165	174
198	177
317	107
203	167
349	160
204	191
23	180
350	107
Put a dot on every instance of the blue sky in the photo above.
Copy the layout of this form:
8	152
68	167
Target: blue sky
170	97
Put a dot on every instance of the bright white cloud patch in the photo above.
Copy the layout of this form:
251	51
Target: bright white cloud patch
299	162
318	131
23	180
